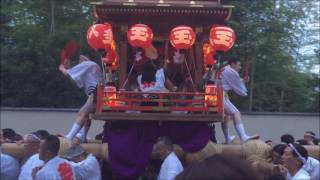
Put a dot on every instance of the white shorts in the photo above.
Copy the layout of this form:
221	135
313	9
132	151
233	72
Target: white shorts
90	105
229	108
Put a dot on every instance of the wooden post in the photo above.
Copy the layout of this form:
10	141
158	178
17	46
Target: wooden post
198	53
123	56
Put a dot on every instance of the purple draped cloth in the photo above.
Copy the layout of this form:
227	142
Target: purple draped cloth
130	143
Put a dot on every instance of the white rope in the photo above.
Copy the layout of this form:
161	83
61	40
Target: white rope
129	74
185	61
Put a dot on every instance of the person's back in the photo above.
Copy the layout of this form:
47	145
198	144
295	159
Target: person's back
9	167
56	169
26	169
170	167
312	166
88	168
86	75
232	81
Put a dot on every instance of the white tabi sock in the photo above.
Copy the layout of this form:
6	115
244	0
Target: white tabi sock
83	133
225	130
74	130
241	132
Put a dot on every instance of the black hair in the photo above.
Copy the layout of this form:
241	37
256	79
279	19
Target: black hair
166	141
8	133
233	60
41	133
149	72
287	138
312	133
301	150
52	144
279	148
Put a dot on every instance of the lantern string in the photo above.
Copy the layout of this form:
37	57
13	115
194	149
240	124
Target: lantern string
129	74
193	86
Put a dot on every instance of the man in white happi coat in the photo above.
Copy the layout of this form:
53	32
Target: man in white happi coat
9	167
294	157
31	145
54	168
85	165
312	166
231	81
86	75
171	165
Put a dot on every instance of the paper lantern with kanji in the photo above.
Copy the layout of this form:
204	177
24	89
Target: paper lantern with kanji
100	36
222	38
182	37
140	35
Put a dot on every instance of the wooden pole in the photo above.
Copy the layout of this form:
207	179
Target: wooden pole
251	149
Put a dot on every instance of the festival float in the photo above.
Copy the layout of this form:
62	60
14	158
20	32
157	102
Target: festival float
188	39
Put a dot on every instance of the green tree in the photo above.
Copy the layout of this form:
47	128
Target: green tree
33	33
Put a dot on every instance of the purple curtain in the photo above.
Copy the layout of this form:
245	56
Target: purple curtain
130	143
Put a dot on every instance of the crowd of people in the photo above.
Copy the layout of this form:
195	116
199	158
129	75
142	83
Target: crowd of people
289	160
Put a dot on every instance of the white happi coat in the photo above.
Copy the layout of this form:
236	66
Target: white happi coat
56	169
158	86
300	175
231	81
26	169
170	167
312	166
9	167
87	75
87	169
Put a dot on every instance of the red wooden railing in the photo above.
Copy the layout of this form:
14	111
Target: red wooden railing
108	99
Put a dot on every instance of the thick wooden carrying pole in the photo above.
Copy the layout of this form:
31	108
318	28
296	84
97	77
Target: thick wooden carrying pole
101	150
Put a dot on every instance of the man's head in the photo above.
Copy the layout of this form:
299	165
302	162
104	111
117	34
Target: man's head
76	154
235	64
31	144
294	156
277	152
309	136
287	138
8	135
42	133
49	148
164	147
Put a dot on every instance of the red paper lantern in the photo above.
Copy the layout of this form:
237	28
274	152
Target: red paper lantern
140	35
112	55
100	36
208	55
222	38
182	37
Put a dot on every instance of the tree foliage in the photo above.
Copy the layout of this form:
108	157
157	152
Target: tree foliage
270	34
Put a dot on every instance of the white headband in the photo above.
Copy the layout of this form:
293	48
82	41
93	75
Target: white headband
34	136
299	155
309	134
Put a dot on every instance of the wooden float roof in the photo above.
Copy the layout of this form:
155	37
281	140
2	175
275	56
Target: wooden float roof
155	11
